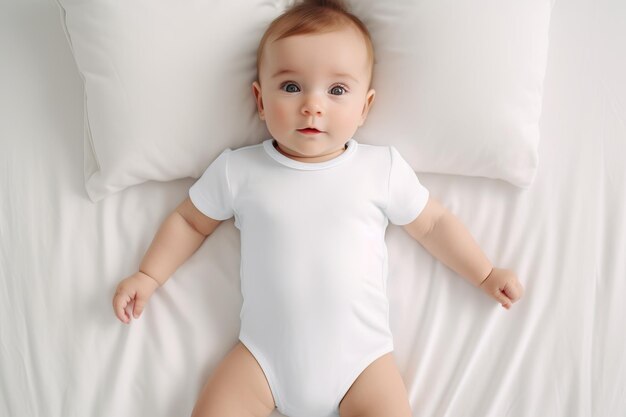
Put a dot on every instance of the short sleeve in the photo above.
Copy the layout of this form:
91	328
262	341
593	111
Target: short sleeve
211	193
407	197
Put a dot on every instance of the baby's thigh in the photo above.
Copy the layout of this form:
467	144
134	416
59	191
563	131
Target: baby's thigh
237	388
378	391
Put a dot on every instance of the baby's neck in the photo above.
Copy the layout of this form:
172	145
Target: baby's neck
310	159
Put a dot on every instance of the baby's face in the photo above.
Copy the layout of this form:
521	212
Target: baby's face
317	81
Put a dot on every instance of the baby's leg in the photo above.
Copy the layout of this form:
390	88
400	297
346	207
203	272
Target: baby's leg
378	391
237	388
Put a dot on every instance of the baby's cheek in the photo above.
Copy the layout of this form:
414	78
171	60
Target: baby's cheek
348	121
280	111
277	117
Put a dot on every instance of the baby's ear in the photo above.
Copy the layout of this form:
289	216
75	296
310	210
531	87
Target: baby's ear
256	90
369	101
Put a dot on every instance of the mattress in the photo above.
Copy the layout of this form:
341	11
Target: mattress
560	351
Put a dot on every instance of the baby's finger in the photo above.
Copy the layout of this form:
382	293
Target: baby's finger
512	291
520	288
140	303
502	299
120	301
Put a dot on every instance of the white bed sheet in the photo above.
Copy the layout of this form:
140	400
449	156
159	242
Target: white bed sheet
558	352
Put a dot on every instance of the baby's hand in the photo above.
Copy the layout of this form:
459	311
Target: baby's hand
503	285
138	287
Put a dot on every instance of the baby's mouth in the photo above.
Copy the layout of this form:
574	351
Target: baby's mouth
309	131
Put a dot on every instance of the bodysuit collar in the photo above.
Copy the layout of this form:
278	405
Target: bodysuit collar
268	145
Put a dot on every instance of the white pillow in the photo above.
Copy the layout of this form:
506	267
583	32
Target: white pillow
168	84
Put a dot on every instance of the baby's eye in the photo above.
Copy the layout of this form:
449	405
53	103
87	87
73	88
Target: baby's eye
290	88
338	90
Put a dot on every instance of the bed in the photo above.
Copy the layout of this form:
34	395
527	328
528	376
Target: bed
559	352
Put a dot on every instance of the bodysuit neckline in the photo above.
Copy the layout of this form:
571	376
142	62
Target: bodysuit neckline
268	145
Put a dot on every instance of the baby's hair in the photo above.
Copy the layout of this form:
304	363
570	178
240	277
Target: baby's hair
314	16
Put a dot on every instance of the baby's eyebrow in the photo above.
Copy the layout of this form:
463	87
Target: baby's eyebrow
283	72
335	74
345	75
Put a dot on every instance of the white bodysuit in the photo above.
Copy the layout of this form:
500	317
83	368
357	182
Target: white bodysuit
313	261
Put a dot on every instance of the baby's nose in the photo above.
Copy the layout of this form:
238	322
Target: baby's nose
312	106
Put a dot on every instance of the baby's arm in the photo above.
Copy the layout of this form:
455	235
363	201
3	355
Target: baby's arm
180	235
445	237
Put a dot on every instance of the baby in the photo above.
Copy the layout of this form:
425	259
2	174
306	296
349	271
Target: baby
312	206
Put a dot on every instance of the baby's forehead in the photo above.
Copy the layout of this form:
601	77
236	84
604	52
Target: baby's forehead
342	51
345	36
